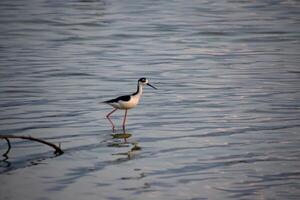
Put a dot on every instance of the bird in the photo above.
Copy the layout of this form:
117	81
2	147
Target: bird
127	102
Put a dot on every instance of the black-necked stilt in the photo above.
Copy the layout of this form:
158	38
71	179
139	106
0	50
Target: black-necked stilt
127	102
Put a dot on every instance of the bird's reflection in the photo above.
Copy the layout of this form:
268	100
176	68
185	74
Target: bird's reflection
116	141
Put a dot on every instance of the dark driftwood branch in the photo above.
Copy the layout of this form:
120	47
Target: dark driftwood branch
58	150
8	148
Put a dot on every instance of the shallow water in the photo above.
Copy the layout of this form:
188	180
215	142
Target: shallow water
224	123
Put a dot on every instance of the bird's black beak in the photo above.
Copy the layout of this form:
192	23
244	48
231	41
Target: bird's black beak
151	86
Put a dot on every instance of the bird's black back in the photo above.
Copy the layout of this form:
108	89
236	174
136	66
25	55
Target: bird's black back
121	98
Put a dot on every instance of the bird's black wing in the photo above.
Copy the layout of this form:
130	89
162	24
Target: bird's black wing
122	98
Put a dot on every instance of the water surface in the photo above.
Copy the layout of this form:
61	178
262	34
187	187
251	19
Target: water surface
224	123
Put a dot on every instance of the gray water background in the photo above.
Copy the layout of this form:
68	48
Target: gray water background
224	123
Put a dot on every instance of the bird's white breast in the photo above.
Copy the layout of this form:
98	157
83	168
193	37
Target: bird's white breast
134	100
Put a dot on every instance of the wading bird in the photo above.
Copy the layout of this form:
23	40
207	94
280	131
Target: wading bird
127	102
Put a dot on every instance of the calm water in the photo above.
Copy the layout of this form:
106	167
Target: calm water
224	123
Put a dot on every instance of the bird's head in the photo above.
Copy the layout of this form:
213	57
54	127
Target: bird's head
145	81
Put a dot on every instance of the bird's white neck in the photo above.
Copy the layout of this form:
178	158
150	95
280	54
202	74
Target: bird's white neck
139	90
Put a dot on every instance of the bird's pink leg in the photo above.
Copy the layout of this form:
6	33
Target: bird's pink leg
108	117
124	121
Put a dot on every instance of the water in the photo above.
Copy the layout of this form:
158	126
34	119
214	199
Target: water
224	123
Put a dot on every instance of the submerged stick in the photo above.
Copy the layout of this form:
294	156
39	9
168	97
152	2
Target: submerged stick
8	148
58	150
